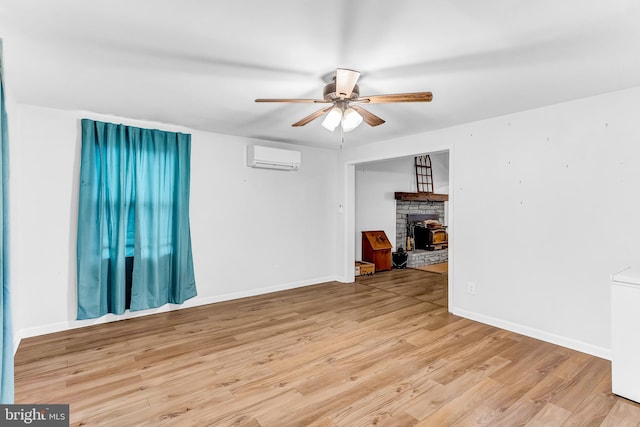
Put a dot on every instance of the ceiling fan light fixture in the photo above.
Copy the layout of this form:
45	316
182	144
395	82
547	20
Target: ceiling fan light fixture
333	119
340	94
351	119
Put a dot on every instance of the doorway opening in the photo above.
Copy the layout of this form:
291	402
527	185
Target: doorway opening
377	207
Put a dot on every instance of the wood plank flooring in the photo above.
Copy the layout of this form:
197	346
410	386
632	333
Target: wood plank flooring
382	352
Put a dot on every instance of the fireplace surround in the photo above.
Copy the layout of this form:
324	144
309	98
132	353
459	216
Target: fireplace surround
429	210
419	211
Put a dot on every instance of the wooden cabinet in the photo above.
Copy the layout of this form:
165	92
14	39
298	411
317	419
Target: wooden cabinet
376	248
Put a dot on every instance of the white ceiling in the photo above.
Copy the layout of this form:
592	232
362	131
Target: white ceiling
201	64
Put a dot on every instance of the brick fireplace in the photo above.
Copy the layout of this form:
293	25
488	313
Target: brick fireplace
416	208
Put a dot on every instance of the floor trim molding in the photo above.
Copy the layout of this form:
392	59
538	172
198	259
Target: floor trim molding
602	352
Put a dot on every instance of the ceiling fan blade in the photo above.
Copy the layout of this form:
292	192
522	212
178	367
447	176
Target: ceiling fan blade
345	82
322	101
397	97
312	116
369	118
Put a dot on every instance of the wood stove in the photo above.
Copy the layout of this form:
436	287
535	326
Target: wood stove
427	233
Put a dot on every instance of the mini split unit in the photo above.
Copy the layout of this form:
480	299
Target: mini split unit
272	158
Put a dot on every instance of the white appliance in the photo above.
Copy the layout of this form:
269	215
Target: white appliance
625	333
259	156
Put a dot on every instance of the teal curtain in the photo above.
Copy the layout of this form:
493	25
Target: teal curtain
134	201
6	372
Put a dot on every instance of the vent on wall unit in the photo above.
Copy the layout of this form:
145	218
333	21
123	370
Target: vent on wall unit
272	158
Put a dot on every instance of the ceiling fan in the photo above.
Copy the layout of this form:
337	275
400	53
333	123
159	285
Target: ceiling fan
344	96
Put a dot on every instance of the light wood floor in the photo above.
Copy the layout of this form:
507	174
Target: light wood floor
382	352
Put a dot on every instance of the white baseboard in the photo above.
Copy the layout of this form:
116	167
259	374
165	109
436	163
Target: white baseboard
193	302
602	352
16	343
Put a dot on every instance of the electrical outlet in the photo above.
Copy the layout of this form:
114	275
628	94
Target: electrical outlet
471	288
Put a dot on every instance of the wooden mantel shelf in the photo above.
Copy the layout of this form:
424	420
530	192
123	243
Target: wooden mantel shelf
421	197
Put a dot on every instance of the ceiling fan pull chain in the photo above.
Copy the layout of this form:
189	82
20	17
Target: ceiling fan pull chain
341	137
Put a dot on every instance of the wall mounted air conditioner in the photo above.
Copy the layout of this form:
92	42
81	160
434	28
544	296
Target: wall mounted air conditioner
272	158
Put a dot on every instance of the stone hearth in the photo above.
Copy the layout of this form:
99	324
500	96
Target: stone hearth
421	257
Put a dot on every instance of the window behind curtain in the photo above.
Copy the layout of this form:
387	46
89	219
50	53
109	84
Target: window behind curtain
134	201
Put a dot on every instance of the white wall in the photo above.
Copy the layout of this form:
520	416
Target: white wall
376	183
557	187
253	231
544	207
